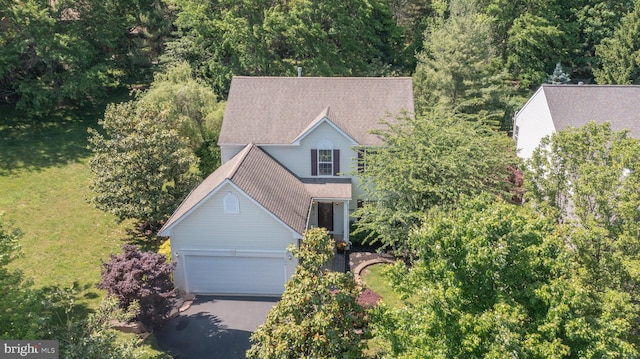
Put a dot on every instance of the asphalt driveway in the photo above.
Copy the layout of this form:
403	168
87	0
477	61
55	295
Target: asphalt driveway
214	327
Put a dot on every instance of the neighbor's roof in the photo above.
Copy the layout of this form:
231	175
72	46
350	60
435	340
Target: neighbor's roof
575	105
263	179
277	110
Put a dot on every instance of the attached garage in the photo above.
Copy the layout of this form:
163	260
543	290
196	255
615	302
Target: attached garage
235	272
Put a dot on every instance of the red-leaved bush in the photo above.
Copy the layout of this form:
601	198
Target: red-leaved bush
140	276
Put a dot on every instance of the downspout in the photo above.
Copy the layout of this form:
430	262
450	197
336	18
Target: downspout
309	213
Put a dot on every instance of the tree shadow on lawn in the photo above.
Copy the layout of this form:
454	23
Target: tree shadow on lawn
202	335
47	140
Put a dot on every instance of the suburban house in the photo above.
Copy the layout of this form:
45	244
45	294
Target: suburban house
556	107
289	149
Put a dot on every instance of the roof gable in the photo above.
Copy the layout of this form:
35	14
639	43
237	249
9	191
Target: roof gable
323	117
279	110
575	105
261	178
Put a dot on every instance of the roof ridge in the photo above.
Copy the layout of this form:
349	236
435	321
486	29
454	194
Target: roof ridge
243	156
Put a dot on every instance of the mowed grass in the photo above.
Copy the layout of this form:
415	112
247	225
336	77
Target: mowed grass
44	192
374	278
44	179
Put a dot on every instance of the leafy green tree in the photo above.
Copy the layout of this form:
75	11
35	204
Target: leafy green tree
458	72
318	314
49	313
194	106
590	177
21	311
428	161
142	167
596	20
494	280
73	51
619	54
92	337
535	44
220	39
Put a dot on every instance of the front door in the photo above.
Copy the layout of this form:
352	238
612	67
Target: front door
325	215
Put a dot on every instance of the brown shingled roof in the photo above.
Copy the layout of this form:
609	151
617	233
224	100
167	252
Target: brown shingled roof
263	179
277	110
575	105
274	187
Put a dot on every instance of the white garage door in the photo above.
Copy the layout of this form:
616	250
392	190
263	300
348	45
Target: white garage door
235	272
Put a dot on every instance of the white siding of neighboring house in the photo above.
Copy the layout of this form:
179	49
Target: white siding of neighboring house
209	227
534	122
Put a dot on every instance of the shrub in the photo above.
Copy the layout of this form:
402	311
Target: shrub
143	277
165	249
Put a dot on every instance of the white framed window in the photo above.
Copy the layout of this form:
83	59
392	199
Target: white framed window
231	204
325	159
325	162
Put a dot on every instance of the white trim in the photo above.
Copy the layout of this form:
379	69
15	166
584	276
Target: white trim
227	253
319	163
231	203
328	121
529	101
331	199
248	253
167	231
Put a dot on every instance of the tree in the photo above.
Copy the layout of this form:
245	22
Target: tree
143	278
532	36
221	39
558	76
57	51
457	70
596	21
590	177
21	308
27	313
494	280
428	161
193	105
618	54
142	167
318	314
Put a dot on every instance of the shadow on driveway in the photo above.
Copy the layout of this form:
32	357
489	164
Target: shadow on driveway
214	327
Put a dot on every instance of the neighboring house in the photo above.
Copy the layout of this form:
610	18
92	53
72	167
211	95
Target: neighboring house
555	107
289	145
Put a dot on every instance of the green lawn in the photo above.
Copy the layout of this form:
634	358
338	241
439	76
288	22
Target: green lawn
373	277
44	192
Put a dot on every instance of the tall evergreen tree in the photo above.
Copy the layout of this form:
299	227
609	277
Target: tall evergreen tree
458	71
619	55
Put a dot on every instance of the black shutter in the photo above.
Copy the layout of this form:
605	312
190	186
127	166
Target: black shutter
361	160
336	162
314	162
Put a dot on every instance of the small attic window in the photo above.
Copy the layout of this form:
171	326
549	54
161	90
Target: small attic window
231	204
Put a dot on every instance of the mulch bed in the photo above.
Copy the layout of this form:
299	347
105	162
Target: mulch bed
368	298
